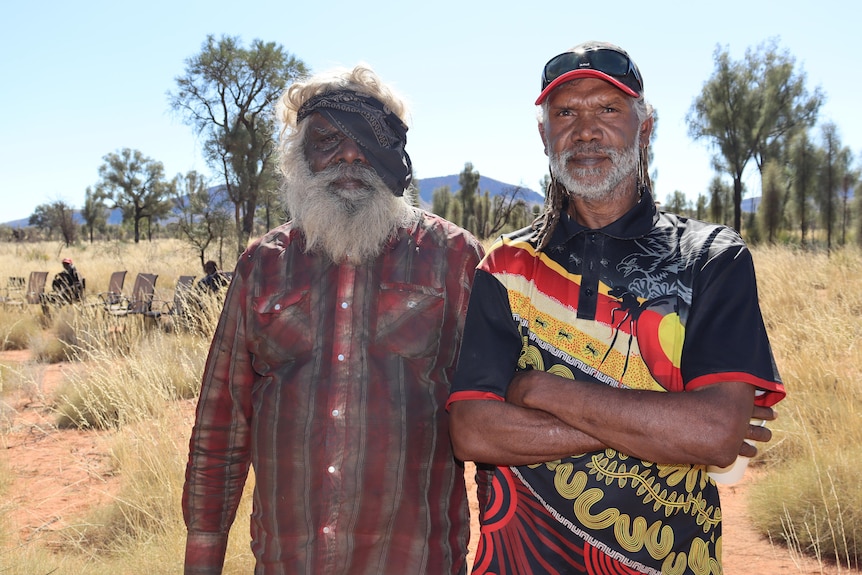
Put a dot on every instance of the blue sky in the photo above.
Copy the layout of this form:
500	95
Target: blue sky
84	79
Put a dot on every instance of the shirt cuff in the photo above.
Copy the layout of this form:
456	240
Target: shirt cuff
205	553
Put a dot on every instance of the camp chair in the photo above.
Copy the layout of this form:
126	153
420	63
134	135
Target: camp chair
177	306
114	296
14	289
142	297
35	293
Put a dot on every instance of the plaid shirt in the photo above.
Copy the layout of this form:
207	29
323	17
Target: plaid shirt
331	380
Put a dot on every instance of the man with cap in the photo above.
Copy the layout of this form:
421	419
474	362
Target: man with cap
332	361
611	353
67	285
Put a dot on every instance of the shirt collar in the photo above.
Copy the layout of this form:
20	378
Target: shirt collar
636	223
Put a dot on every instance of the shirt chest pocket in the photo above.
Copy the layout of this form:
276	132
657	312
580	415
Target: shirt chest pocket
280	328
409	319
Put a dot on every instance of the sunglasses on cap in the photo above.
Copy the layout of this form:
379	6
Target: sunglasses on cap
599	62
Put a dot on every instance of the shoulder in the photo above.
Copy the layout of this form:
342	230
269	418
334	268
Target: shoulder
699	238
270	245
431	227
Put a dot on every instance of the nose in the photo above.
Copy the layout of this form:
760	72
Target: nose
349	152
586	129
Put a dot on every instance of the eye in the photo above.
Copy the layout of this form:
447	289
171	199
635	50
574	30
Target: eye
327	141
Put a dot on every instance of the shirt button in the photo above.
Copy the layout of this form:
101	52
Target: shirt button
327	529
340	357
277	306
335	413
589	292
331	469
344	305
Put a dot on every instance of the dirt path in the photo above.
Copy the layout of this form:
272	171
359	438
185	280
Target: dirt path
58	475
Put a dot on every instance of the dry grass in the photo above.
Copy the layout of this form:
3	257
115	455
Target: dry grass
141	376
811	498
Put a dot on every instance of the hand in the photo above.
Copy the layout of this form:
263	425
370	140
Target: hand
757	433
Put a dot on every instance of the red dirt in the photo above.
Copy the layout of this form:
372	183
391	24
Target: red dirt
58	475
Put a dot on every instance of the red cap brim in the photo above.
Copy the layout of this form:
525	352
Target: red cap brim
585	73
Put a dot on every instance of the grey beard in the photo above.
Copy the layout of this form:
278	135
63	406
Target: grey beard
347	225
587	183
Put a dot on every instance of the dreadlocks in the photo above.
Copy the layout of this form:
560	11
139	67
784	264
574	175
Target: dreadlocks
556	202
557	196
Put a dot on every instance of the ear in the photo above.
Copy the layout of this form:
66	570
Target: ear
645	132
542	135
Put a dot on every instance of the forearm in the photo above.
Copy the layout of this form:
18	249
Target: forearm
704	426
498	433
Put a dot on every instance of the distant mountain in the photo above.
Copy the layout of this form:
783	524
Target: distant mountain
494	187
115	218
426	191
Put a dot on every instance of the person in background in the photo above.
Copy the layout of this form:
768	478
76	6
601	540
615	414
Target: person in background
214	279
68	287
611	353
333	357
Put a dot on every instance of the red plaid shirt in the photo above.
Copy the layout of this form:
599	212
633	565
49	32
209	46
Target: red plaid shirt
331	381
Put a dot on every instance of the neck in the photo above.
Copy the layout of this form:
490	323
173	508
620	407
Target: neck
598	213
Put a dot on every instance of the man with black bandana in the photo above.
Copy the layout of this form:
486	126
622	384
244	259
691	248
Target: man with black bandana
331	364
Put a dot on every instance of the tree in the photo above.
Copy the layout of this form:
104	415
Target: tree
769	209
227	95
850	180
747	106
700	206
858	196
677	203
836	164
137	186
202	213
56	216
507	209
804	163
94	212
719	200
441	200
469	182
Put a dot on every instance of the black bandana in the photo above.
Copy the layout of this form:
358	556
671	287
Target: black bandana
365	120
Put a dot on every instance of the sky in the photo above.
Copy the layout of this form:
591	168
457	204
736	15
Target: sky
85	79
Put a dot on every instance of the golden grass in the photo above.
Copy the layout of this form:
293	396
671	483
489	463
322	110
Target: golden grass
811	498
141	376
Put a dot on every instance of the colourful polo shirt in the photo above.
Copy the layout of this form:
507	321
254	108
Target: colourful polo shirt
653	301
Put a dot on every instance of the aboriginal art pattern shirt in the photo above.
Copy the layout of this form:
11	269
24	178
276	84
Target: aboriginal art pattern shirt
331	382
653	301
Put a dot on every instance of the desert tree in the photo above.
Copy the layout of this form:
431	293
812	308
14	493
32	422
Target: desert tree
804	166
137	186
835	166
677	203
746	106
56	216
858	201
202	213
720	196
468	179
441	201
700	206
769	210
848	183
227	94
508	211
95	211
